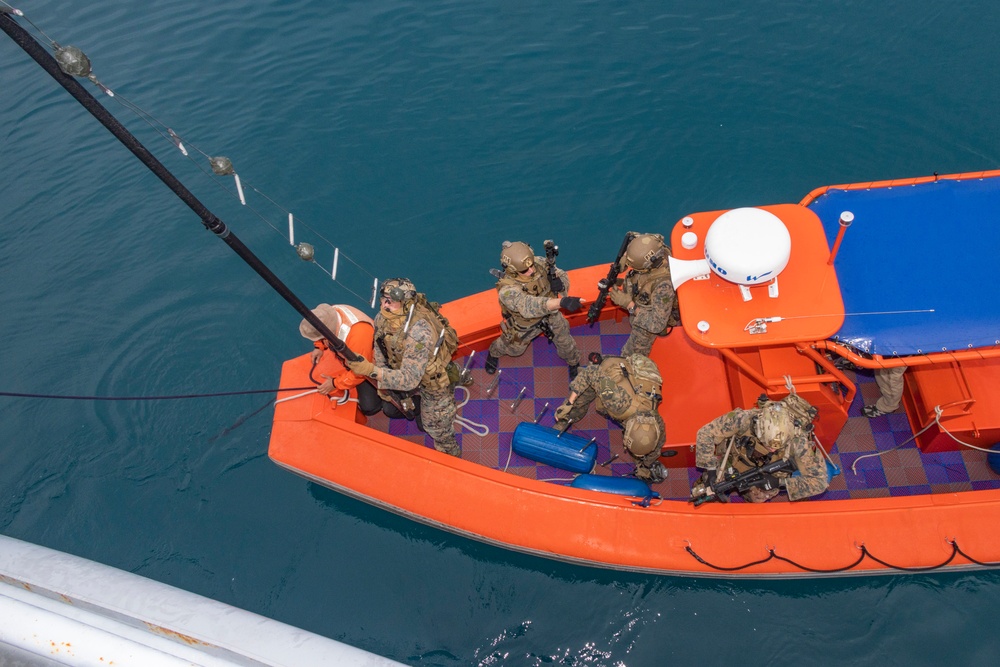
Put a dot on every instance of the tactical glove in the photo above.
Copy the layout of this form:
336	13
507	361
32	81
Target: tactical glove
556	285
620	298
562	412
362	367
768	482
570	303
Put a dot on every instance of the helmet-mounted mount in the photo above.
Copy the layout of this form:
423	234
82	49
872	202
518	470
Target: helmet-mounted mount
399	289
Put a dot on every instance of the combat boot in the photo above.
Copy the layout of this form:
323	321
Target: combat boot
491	363
573	370
654	474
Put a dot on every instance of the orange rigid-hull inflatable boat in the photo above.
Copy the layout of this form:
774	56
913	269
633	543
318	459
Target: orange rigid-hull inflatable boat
878	274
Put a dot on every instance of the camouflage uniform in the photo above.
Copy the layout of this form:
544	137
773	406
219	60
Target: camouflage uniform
526	302
598	382
713	440
653	311
437	396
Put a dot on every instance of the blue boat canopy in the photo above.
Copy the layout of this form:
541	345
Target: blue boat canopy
930	246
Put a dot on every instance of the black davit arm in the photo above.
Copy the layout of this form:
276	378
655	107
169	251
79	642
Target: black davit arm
23	39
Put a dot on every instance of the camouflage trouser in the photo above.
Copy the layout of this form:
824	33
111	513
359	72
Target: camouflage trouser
437	412
640	342
506	346
580	407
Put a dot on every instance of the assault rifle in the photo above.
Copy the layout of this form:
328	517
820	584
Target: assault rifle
607	283
740	483
551	252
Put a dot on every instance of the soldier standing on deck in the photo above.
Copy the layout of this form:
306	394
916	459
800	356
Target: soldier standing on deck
647	293
530	305
413	348
890	386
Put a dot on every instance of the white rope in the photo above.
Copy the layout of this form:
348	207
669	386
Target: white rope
346	398
292	398
474	427
937	414
509	452
937	420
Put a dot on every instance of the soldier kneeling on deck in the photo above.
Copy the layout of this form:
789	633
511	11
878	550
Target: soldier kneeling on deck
777	437
627	390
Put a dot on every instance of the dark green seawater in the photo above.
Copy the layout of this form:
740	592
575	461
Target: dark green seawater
418	135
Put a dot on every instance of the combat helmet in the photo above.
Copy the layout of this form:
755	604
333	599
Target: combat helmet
399	289
642	434
773	425
516	257
645	251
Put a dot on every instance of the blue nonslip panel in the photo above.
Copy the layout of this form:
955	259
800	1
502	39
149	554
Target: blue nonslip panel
932	248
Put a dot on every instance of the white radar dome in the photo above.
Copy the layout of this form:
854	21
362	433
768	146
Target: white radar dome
748	246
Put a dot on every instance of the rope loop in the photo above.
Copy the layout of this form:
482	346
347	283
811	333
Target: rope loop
865	553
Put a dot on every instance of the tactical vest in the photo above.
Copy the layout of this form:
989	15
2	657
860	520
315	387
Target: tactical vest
393	343
748	452
516	325
641	286
645	378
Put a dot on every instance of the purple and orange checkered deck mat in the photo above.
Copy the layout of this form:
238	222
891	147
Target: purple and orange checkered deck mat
542	374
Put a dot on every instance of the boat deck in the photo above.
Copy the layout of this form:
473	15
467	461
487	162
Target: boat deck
543	375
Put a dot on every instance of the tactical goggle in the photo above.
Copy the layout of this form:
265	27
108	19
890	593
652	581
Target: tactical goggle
394	294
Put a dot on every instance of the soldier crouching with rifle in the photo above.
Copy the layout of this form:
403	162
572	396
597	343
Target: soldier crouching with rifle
628	391
754	453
